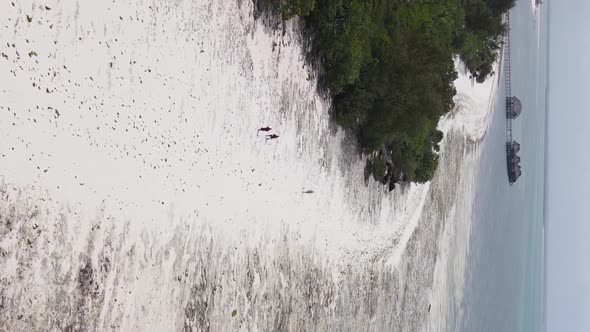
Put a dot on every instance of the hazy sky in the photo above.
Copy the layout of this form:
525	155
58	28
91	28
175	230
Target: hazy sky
568	280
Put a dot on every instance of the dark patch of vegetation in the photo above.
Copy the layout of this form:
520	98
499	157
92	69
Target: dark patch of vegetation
377	166
389	66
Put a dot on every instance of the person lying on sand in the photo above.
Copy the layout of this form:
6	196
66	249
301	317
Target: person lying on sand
273	136
265	129
308	192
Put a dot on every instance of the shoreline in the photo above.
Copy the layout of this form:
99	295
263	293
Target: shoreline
123	211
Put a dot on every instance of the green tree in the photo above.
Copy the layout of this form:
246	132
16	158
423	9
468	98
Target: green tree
389	65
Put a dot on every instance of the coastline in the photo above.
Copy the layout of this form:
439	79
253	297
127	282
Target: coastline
143	224
470	120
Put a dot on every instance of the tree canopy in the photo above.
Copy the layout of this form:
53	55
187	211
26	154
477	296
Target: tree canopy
389	65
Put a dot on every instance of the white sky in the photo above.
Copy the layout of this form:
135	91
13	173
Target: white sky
568	283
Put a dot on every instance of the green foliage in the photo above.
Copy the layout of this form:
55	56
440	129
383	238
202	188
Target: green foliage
389	66
427	166
377	167
500	6
481	41
341	30
290	8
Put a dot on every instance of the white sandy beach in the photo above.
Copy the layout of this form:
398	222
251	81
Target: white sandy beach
136	193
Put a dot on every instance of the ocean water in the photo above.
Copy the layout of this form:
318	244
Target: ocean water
504	276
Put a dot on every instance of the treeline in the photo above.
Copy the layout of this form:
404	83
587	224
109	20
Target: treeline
389	66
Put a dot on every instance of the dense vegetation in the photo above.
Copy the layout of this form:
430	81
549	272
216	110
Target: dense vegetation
389	66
